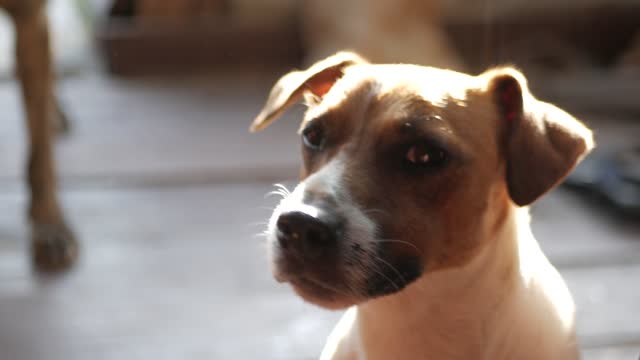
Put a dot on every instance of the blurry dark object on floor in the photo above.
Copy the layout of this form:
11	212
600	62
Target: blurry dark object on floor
560	40
630	59
570	55
122	8
157	36
383	31
53	244
606	92
613	176
185	10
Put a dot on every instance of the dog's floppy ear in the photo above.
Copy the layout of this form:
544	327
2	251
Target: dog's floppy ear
318	79
542	143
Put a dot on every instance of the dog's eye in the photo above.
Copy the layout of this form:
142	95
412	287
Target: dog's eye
426	156
313	136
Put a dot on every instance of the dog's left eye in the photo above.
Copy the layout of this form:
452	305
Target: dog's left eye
426	156
313	136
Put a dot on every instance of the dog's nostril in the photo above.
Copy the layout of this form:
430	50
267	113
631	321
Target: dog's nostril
284	227
304	233
284	232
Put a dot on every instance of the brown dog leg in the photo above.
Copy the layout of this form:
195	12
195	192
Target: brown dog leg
53	244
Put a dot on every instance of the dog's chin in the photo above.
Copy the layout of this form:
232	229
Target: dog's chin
329	298
337	295
321	296
312	289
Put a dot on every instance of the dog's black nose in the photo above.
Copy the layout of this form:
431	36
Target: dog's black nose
305	234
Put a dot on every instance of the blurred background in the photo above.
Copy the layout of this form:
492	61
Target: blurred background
165	188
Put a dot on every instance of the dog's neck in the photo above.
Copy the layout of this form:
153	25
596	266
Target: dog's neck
451	313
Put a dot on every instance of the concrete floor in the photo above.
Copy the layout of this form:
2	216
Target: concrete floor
166	189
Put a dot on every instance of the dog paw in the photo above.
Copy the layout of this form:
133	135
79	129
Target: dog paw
53	247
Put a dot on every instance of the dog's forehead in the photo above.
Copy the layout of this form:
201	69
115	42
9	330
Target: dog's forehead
431	84
392	93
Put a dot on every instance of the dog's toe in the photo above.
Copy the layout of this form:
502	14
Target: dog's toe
54	247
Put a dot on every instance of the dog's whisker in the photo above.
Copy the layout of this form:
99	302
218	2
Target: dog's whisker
403	243
339	291
283	188
271	193
356	289
381	273
260	235
375	268
276	192
258	223
383	261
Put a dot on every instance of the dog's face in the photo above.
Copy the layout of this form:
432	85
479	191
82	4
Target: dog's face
406	170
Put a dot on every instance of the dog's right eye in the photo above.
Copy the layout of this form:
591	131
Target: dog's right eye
313	137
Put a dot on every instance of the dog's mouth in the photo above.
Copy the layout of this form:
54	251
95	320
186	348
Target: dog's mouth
312	284
337	293
297	276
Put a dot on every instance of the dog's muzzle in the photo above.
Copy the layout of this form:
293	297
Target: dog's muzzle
329	249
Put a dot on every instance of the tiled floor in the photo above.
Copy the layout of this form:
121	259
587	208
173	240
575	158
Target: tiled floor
166	189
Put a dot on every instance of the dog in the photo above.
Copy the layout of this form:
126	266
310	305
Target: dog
53	245
412	210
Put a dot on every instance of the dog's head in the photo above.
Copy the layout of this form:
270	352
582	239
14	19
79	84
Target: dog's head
407	170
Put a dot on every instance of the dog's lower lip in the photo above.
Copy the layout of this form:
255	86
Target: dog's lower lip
307	281
280	278
285	277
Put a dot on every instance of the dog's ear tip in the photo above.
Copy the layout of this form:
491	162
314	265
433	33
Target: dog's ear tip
505	76
256	125
511	70
348	55
318	79
591	142
508	87
262	120
588	141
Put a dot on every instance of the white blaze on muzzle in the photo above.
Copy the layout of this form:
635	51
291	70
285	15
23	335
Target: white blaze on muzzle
323	191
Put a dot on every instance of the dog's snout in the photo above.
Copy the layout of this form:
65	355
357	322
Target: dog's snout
305	234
